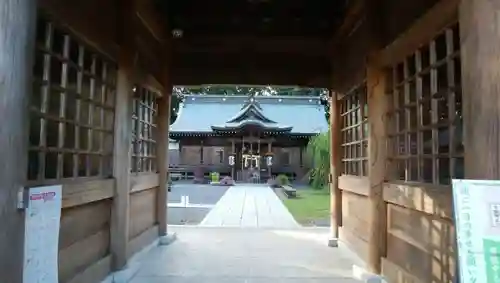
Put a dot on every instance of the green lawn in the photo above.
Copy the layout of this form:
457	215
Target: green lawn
309	205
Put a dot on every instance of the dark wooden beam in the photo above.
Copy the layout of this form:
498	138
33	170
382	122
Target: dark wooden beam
353	14
242	61
151	19
100	32
237	43
264	76
437	18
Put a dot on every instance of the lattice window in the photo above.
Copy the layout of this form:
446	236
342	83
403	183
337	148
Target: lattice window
144	131
72	109
354	132
425	119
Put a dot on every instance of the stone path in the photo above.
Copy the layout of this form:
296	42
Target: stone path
238	255
248	206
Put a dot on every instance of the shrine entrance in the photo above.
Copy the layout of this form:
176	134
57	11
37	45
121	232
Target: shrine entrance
251	166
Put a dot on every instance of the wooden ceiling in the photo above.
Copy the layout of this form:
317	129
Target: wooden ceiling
252	41
253	17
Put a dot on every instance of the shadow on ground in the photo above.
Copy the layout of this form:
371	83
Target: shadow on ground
238	255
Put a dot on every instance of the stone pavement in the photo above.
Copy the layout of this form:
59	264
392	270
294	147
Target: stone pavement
237	255
250	206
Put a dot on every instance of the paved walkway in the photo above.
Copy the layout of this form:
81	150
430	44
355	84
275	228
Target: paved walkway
238	255
250	206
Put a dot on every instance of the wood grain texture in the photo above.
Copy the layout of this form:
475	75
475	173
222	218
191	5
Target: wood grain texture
142	240
355	226
163	144
80	222
395	273
356	244
355	216
422	245
80	193
335	161
142	212
122	157
82	254
94	273
377	149
480	54
355	184
17	43
143	182
428	198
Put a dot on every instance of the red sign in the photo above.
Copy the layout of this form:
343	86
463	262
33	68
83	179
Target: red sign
43	196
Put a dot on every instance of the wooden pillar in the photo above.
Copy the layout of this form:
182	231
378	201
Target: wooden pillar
270	150
301	157
233	152
480	53
163	131
335	162
251	146
120	213
122	160
258	146
377	154
201	152
17	45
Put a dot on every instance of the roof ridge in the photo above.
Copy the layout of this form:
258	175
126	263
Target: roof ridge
256	97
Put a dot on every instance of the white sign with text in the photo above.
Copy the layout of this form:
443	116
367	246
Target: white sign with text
41	235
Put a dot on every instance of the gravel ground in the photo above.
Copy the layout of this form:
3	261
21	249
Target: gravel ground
198	194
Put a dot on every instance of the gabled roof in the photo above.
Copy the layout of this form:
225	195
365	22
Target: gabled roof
251	115
293	114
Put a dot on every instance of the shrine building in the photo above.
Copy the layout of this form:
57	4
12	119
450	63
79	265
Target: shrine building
235	135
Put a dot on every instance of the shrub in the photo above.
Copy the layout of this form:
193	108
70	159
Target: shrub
282	180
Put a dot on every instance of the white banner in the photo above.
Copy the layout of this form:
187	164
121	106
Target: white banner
41	235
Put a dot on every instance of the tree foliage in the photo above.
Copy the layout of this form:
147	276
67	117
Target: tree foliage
180	92
318	150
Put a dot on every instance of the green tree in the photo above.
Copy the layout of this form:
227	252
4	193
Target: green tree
318	150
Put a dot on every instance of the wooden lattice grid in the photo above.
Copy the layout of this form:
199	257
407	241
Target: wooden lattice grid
425	116
354	131
144	130
72	109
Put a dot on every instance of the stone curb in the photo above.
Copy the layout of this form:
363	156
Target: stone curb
167	239
365	276
333	242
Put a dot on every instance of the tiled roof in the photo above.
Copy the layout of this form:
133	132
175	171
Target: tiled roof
251	114
198	113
